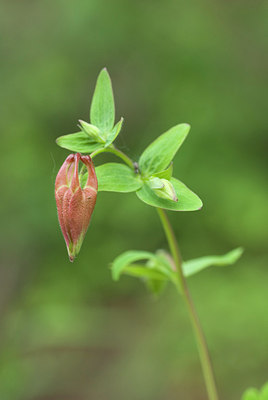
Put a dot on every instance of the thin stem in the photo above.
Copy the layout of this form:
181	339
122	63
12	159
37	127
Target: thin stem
96	152
199	335
112	149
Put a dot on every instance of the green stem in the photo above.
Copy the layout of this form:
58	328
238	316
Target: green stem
112	149
199	335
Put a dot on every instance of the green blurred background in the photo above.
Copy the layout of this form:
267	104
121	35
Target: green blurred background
67	331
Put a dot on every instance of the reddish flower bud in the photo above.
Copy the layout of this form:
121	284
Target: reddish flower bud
75	204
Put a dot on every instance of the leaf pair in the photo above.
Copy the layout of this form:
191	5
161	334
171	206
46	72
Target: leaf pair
160	266
155	272
115	177
155	165
101	132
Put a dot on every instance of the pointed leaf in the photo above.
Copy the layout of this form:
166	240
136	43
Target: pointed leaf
102	111
78	142
139	271
114	133
158	155
166	174
127	258
191	267
115	177
187	200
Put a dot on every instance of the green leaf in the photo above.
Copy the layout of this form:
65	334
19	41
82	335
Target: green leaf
78	142
156	286
115	177
154	280
191	267
114	133
158	155
102	111
187	200
163	264
127	258
166	174
251	394
139	271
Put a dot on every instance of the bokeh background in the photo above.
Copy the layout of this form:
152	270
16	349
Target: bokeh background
67	331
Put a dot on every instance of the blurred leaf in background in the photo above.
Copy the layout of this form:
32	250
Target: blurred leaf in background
68	330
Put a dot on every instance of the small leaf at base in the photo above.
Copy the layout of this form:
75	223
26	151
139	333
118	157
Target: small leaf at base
191	267
127	258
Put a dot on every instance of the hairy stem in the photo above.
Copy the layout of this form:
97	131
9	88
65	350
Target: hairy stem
199	335
112	149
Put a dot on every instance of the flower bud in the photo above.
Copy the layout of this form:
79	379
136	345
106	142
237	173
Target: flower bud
92	131
75	204
167	191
